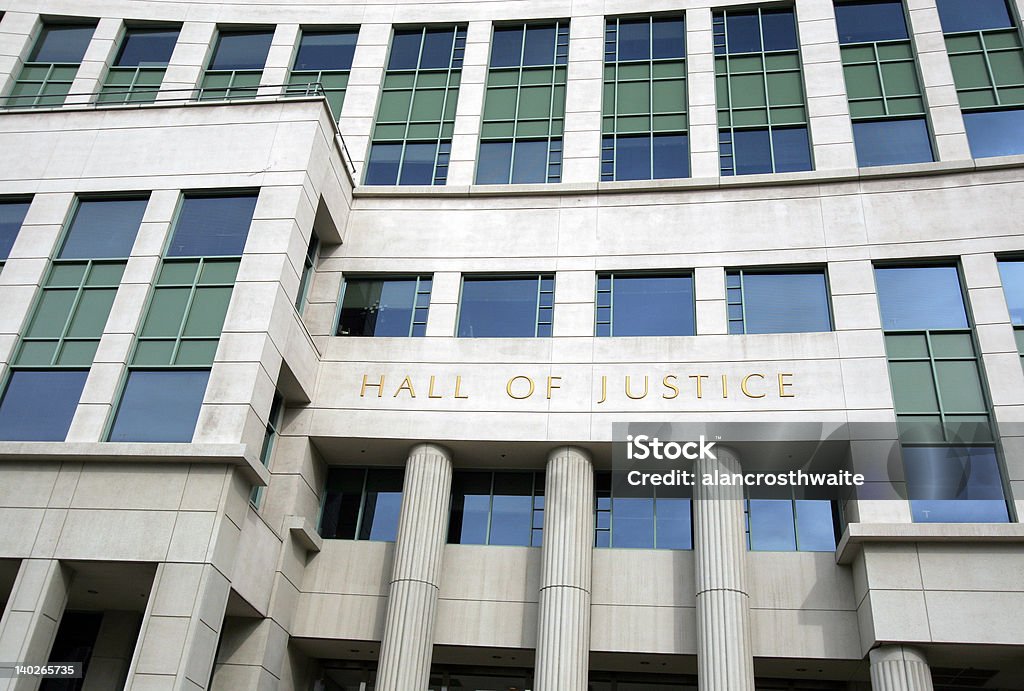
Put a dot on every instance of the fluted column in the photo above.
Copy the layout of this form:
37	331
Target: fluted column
563	638
412	600
724	658
899	668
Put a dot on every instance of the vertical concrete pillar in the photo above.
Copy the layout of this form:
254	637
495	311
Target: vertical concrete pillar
899	668
581	152
33	613
364	85
185	68
724	658
470	108
97	59
112	654
712	307
563	619
415	580
279	60
18	32
700	89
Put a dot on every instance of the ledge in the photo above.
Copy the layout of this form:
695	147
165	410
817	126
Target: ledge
137	452
857	534
303	532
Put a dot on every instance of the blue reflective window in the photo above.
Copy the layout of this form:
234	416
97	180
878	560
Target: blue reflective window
891	142
504	508
326	50
437	49
974	15
920	297
778	302
526	159
673	518
361	504
633	157
633	522
505	307
1012	274
643	157
752	151
385	307
62	43
771	525
668	38
507	46
39	406
384	163
418	167
671	156
160	406
530	161
871	20
634	39
212	226
779	30
241	50
405	49
995	132
791	148
103	229
815	527
743	32
147	48
640	522
949	484
12	215
494	164
539	46
644	305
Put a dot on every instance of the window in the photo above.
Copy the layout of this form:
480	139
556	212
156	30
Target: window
524	105
506	307
762	114
987	58
181	328
640	522
942	407
71	311
505	508
362	504
269	438
645	305
886	98
52	65
12	215
139	68
769	302
385	306
308	269
787	524
237	64
1012	273
644	121
322	65
412	139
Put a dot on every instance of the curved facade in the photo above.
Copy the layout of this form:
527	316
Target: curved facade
544	218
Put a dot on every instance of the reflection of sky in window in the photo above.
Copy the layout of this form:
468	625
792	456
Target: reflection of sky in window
771	525
498	308
633	522
381	513
1012	274
920	297
954	484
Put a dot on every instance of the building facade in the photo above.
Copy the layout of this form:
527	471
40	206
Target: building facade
317	320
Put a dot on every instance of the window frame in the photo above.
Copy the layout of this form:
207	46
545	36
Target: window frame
537	506
540	276
366	470
786	269
653	273
134	91
384	278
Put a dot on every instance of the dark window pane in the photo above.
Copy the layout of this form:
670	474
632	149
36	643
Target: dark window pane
512	509
874	20
147	47
954	485
974	15
12	214
382	168
995	133
498	307
743	32
160	406
1012	273
634	39
377	307
539	48
241	50
668	39
507	46
342	500
437	49
633	522
62	43
920	297
792	149
653	306
418	167
38	406
103	229
212	226
891	142
815	528
326	50
471	505
752	152
779	29
405	49
382	505
785	303
771	525
674	524
494	164
633	158
671	156
531	162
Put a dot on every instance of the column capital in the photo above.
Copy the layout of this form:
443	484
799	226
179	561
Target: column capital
430	449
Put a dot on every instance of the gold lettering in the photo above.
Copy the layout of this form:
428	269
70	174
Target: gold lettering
668	385
406	386
725	386
508	387
368	385
604	389
700	388
629	393
458	388
745	390
783	384
552	385
430	389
